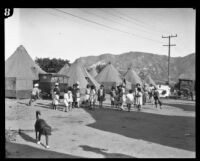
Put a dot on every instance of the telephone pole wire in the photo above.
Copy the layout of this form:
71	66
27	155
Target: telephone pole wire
169	45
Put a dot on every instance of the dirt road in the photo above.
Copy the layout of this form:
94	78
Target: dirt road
104	133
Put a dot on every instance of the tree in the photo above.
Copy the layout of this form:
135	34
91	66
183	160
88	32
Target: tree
100	67
51	65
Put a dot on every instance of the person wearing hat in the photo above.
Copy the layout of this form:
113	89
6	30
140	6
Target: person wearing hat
56	96
101	95
34	94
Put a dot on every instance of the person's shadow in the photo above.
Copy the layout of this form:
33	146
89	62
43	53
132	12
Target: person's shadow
101	151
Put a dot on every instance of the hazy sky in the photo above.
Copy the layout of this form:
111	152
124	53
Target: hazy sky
72	33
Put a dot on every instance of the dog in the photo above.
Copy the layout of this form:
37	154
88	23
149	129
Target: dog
41	128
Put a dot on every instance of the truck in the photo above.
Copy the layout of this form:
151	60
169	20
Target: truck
47	83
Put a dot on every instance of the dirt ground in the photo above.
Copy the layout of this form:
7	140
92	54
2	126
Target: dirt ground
104	132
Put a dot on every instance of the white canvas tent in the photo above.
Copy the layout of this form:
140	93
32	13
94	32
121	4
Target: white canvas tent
20	72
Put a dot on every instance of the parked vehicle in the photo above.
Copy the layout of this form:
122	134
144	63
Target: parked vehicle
164	90
47	83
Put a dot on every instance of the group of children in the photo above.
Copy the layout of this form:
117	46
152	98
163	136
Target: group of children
92	95
136	98
71	97
118	96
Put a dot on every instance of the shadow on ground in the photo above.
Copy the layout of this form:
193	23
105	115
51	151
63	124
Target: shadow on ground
101	151
27	137
185	107
23	103
172	131
15	150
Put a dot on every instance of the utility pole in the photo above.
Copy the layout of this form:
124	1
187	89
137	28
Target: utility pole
169	45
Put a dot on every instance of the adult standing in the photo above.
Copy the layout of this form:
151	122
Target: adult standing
101	95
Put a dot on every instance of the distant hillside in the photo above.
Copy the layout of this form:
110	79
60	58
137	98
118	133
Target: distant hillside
155	65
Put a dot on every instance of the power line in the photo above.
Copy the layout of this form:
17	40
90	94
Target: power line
132	34
125	19
139	22
117	22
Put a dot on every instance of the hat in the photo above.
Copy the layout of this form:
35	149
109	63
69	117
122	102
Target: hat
56	84
36	85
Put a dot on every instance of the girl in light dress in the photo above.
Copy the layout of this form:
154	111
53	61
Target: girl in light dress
129	99
138	100
112	96
92	98
78	97
87	94
68	99
123	96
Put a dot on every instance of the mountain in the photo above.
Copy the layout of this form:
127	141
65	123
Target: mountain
145	63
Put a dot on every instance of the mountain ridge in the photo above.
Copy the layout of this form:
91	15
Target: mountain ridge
149	63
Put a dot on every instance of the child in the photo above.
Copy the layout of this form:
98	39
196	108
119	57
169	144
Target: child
119	98
157	98
138	100
87	94
66	100
123	96
92	97
74	96
129	99
101	95
112	96
78	96
56	94
34	94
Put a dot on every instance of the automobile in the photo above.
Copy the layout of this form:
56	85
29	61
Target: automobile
164	90
47	84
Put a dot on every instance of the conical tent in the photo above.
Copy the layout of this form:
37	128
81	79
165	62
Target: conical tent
93	72
20	71
109	74
149	80
64	69
109	77
77	72
132	77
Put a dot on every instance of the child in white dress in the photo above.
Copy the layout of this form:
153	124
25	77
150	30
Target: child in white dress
66	100
138	100
92	97
129	99
70	97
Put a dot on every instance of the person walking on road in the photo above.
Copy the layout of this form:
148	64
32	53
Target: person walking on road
34	94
